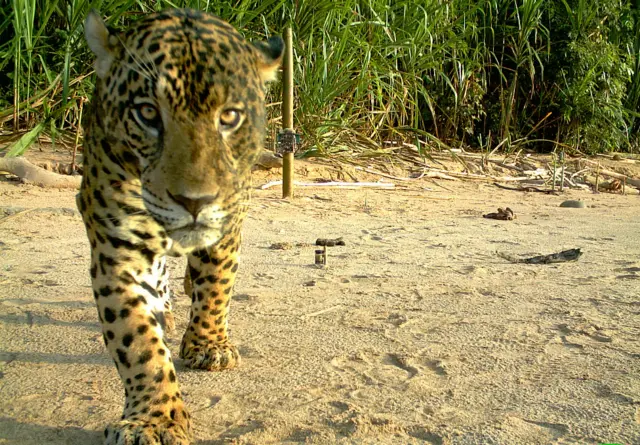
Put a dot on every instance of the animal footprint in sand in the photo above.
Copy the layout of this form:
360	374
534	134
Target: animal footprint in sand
388	369
589	330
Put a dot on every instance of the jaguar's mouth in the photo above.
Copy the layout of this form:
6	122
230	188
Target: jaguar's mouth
192	237
193	227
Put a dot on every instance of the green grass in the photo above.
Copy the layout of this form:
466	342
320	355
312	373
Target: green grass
471	73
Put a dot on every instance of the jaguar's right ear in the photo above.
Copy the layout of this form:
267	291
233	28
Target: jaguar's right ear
270	55
100	41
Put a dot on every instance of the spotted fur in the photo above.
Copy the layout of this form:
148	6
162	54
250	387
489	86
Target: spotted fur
176	122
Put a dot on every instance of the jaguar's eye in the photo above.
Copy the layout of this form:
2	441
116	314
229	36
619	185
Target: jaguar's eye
148	116
230	119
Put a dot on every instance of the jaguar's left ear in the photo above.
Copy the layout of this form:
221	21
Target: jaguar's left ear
269	57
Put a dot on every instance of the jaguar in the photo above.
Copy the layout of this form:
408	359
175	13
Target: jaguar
176	122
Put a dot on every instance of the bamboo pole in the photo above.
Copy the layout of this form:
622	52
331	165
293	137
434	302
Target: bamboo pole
75	146
562	159
287	113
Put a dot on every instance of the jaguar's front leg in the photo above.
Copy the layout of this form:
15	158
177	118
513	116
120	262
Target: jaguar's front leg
212	273
164	293
127	303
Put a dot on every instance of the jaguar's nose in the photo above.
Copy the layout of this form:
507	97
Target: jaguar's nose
193	206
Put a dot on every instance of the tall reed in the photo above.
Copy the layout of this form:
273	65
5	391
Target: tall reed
470	73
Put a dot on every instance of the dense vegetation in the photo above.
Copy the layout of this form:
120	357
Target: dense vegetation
485	74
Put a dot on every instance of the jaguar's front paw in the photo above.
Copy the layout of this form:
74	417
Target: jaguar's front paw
145	432
209	355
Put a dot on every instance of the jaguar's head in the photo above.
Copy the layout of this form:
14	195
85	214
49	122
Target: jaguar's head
179	103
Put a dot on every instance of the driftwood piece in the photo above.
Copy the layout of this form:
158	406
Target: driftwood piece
605	172
560	257
613	185
33	174
267	161
479	177
424	174
347	185
330	242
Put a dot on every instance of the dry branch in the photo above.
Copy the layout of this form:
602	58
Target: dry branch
475	176
323	311
603	171
385	185
424	174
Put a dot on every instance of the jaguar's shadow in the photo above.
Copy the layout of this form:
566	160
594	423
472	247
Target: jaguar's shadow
57	359
41	320
13	431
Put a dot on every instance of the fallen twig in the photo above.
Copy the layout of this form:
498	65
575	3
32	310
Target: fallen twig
507	166
527	188
323	311
580	172
385	175
21	212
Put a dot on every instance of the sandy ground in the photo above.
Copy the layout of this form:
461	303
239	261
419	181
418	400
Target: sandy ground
415	332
